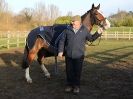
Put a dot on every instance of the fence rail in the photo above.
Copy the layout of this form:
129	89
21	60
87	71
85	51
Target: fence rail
17	39
117	35
12	39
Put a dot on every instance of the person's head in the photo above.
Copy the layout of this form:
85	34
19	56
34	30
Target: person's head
76	21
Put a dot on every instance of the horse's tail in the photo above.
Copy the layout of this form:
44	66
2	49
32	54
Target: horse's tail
25	62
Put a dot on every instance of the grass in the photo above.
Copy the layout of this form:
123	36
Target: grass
12	43
122	46
110	52
120	29
117	29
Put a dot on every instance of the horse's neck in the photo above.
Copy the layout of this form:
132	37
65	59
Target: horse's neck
87	22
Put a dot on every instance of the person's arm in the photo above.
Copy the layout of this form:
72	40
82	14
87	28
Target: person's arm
61	44
93	37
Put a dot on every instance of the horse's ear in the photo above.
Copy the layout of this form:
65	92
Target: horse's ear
92	6
98	7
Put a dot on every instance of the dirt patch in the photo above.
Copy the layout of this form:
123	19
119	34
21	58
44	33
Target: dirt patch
101	79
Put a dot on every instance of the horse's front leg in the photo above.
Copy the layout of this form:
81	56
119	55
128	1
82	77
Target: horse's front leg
47	74
41	54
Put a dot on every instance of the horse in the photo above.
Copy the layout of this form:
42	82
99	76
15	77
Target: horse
42	41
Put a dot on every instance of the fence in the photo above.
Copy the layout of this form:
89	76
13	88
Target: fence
17	39
117	35
12	39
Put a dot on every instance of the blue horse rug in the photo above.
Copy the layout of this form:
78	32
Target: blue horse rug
51	34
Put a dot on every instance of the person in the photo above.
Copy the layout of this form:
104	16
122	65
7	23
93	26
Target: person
73	44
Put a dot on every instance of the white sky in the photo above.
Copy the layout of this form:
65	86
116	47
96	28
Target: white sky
75	6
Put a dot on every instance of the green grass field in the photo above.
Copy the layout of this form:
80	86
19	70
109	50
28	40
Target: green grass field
117	29
111	51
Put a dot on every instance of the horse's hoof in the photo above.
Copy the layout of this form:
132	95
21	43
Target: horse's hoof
48	76
29	81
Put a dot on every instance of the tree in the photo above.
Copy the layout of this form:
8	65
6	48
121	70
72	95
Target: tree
3	6
40	12
63	20
53	12
69	13
122	18
45	15
25	15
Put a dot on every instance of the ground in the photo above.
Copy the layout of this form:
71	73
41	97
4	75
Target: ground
107	74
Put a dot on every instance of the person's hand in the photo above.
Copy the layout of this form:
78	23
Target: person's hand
60	54
100	30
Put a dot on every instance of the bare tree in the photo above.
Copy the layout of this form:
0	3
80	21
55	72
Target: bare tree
45	14
28	14
40	12
3	6
25	15
53	12
69	13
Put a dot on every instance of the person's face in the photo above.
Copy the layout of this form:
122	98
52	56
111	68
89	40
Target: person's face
76	24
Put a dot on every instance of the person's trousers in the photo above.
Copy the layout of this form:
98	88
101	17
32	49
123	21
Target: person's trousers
73	70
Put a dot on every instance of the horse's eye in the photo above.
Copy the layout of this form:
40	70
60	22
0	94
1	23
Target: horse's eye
96	13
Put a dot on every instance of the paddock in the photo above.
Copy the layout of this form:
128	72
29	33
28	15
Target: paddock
107	74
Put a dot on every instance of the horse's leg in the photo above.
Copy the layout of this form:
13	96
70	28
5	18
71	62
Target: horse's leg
47	74
40	57
25	64
39	43
30	58
27	75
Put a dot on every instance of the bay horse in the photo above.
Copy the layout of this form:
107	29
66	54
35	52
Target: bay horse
42	41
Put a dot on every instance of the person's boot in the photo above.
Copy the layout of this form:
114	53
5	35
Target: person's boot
76	90
68	89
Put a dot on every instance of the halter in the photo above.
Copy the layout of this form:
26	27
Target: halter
96	20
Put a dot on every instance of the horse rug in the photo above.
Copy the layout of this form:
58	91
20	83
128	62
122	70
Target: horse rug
51	34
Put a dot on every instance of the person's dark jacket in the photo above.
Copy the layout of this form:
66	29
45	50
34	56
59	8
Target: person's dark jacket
74	43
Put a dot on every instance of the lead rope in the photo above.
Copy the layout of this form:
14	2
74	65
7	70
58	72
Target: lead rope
95	44
56	66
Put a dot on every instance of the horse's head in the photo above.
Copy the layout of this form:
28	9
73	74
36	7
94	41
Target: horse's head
95	16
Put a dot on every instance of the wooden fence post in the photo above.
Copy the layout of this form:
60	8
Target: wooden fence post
25	39
117	35
105	33
0	35
18	40
129	34
8	40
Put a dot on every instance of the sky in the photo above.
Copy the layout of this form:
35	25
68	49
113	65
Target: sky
77	7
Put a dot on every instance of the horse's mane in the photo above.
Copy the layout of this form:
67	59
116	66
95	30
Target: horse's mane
84	15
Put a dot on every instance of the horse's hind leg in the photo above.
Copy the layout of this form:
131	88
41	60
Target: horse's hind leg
26	64
31	56
40	57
